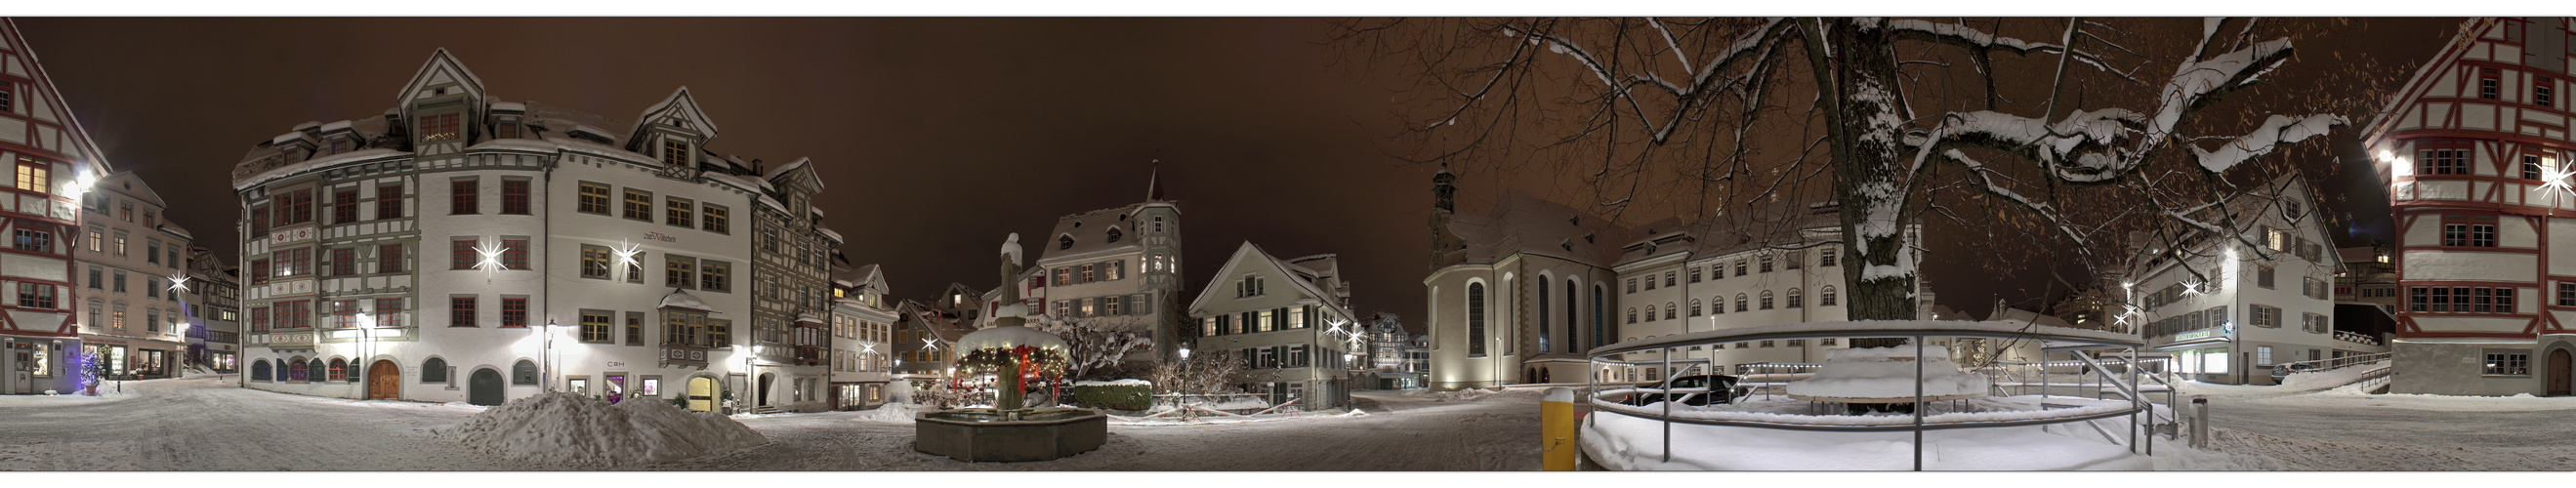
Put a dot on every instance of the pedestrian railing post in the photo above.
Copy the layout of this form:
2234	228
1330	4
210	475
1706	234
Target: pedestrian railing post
2200	421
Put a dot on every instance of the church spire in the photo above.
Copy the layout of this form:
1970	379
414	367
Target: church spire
1154	183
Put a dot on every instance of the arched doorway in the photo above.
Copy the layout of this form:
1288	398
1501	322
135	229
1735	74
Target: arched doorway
384	380
2559	372
484	388
702	394
765	380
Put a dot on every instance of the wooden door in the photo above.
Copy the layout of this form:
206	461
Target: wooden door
702	394
2559	371
484	388
384	380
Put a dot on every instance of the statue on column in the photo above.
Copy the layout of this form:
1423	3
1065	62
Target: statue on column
1010	312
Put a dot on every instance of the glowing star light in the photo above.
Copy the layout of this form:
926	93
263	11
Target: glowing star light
2556	177
929	344
178	283
626	256
491	259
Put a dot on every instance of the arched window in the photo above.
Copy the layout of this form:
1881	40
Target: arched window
1739	302
1669	310
433	370
1475	319
259	370
1766	299
1600	319
295	369
1717	305
1542	315
524	373
1794	299
321	372
1826	298
1570	317
1695	307
1632	315
339	370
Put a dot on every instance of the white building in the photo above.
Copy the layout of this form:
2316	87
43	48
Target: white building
130	317
2475	149
2228	310
642	228
1120	262
1288	319
213	304
862	336
48	156
1522	293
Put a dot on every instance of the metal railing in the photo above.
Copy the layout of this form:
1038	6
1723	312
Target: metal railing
2072	340
2356	338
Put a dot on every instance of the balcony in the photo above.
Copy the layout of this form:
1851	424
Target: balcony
809	356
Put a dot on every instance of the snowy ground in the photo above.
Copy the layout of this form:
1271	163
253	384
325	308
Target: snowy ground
204	424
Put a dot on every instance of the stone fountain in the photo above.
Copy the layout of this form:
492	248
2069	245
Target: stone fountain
1009	430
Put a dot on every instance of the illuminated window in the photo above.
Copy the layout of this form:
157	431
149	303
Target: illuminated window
593	199
594	262
295	262
2507	364
594	326
680	212
716	220
679	272
441	127
2530	167
639	205
34	176
716	276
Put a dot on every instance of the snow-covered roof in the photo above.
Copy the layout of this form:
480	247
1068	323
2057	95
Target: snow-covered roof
175	230
1524	223
259	171
809	317
681	100
827	232
1009	336
337	126
1251	255
1090	233
683	300
509	107
2009	314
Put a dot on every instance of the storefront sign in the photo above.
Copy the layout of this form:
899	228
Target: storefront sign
657	236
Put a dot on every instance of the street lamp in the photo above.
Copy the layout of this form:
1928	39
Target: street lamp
1182	389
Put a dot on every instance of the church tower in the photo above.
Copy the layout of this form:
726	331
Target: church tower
1447	249
1158	223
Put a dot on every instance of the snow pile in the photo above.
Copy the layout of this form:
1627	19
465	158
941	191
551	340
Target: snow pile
891	412
2319	380
571	430
1888	372
1622	442
1124	382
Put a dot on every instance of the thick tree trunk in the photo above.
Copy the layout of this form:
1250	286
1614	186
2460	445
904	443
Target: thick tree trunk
1871	180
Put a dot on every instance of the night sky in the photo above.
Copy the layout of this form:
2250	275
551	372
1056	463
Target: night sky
935	137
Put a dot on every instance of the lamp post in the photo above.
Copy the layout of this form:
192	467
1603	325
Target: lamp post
1184	394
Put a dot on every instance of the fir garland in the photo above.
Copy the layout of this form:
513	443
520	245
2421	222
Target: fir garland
1035	364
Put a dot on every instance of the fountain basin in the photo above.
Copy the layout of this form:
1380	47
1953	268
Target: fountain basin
980	434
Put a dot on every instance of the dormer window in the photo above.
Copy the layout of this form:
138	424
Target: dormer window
1063	242
1113	234
506	130
439	127
675	152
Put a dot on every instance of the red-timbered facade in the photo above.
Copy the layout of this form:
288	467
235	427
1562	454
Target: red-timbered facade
47	156
2474	149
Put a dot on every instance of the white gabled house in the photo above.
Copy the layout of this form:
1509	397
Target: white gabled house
1290	322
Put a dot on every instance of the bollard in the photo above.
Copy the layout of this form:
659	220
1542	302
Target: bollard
1556	430
2200	421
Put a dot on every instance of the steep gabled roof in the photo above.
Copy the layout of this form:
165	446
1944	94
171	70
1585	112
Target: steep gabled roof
441	70
679	106
1249	257
1090	233
45	103
798	174
2424	78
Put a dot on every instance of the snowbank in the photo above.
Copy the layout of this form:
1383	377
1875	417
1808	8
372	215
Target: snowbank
891	412
1621	442
1879	373
2319	380
1486	394
573	430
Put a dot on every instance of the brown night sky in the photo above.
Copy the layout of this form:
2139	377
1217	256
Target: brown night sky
935	136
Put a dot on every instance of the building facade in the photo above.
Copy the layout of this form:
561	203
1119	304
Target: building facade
1290	322
862	337
1522	294
462	248
130	315
213	305
1118	263
51	161
2475	150
1395	359
2229	311
792	297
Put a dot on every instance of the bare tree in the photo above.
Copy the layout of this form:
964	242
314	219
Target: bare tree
1205	372
2076	140
1097	344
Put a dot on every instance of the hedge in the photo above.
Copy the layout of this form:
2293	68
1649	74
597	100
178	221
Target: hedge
1121	397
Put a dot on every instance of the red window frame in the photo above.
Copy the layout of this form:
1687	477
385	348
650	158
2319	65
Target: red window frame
2490	83
344	313
344	206
259	272
389	312
465	196
389	201
514	312
294	207
259	319
514	254
514	197
295	262
462	251
344	261
460	311
389	258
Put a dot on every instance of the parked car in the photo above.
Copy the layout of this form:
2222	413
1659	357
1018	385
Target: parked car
2280	371
1724	391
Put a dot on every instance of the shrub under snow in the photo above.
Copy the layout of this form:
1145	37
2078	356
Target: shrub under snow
572	430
